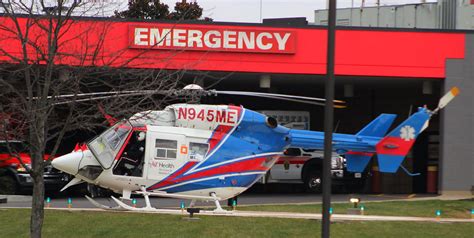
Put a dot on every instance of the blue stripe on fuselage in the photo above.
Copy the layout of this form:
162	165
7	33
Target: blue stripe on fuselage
252	136
231	181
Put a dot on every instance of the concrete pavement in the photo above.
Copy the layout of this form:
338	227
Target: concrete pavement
244	199
286	215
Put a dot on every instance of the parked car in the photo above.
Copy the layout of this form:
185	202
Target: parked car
14	177
301	166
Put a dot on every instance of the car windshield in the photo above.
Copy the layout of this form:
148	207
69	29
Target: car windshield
106	146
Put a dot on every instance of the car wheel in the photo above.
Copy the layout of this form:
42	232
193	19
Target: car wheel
314	183
8	185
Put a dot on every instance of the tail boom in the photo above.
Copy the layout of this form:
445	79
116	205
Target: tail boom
359	148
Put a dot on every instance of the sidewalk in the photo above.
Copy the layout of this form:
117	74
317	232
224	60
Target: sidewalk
287	215
17	198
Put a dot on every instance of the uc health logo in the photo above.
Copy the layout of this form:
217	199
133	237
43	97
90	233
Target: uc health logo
407	133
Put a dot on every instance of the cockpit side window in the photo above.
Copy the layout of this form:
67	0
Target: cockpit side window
133	156
107	145
198	151
166	149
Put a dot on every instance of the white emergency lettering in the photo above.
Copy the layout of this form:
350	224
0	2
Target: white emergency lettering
195	37
267	41
179	38
282	41
215	41
260	42
141	36
229	39
159	38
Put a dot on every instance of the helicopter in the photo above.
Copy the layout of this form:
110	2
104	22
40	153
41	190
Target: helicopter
216	152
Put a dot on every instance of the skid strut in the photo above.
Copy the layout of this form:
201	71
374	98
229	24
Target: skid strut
147	198
218	205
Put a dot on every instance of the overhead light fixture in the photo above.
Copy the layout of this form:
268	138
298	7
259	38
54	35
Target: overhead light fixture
355	201
348	90
265	81
427	87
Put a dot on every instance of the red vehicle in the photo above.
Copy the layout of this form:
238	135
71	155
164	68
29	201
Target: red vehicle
14	177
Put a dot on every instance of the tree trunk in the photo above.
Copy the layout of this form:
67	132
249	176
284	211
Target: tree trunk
37	206
37	167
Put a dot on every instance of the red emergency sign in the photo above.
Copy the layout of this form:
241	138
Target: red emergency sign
212	39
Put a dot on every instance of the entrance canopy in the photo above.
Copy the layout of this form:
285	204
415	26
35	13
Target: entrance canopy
240	47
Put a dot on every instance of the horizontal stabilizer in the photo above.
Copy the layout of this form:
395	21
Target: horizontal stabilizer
378	127
357	161
389	163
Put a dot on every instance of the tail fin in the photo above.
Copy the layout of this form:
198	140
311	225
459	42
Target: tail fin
393	148
357	161
378	127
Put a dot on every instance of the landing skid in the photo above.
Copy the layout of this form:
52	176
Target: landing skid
98	205
148	208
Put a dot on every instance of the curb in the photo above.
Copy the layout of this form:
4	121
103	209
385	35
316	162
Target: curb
16	198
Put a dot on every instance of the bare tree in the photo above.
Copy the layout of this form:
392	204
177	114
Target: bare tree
45	74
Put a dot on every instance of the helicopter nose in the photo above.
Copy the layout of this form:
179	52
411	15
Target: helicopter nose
68	163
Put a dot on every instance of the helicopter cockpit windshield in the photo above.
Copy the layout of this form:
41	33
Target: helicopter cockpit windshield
106	146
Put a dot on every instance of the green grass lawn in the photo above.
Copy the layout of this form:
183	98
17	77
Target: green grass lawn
15	223
451	209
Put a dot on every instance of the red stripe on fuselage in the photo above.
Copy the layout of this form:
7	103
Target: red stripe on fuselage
359	153
394	146
170	179
255	164
219	133
119	154
222	130
238	167
293	159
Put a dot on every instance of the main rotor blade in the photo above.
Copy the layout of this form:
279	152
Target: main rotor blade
99	98
274	95
297	100
78	95
105	95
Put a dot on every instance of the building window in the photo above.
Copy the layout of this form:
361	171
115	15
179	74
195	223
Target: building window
166	149
197	151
